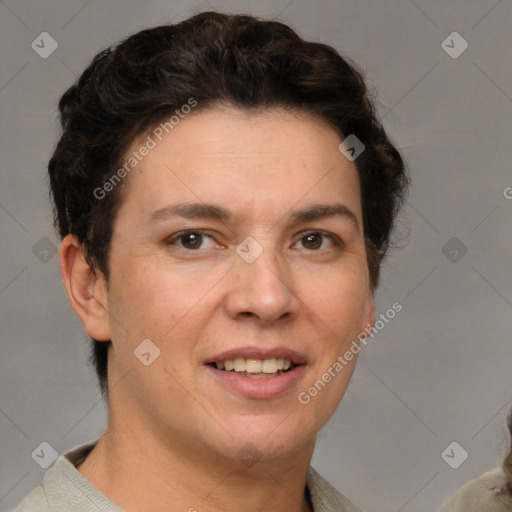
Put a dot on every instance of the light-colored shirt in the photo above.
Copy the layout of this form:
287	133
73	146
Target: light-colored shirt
481	494
64	489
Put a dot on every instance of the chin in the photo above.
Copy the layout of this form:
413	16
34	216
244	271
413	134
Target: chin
274	437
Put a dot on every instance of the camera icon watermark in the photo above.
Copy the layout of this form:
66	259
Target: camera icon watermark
147	352
454	249
44	249
45	455
249	455
44	45
249	249
454	455
454	45
507	192
351	147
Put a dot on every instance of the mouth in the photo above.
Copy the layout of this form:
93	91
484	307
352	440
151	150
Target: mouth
256	372
256	368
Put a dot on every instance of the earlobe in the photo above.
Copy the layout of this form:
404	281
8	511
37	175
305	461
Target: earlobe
86	289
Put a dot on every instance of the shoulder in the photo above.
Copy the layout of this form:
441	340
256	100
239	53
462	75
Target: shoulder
481	493
35	501
325	497
64	489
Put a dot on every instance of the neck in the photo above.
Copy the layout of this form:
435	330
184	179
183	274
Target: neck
144	473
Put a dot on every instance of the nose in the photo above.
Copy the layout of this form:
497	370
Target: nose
262	289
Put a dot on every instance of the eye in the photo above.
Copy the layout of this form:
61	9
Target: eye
190	240
194	240
313	239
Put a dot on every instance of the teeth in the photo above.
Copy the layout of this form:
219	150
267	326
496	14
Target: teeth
254	366
239	364
269	366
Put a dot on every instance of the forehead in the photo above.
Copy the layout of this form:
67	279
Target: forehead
266	160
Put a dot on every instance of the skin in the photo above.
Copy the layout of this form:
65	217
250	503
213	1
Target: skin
174	431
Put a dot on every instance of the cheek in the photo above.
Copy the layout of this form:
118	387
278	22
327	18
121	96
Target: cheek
150	299
339	299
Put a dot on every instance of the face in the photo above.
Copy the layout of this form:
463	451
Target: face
239	242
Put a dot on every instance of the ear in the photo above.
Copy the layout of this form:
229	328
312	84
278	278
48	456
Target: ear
86	289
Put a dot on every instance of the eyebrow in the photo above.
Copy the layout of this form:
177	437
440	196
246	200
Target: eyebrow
216	212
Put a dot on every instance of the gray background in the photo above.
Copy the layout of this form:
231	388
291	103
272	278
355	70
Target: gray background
437	373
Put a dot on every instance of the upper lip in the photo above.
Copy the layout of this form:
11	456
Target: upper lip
252	352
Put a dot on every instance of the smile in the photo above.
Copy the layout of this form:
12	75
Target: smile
257	372
256	368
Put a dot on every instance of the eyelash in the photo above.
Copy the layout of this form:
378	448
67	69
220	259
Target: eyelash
171	241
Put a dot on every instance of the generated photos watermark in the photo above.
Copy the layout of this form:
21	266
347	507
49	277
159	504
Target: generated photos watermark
304	397
151	142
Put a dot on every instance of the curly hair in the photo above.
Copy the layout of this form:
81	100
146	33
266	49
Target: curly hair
240	60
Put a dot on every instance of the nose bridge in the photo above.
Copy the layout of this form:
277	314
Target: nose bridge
263	279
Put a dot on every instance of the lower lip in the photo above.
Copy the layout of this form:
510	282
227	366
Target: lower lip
270	387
